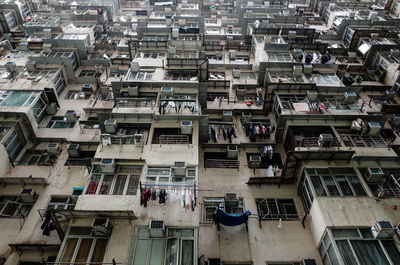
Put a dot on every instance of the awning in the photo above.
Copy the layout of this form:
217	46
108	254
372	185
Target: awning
221	217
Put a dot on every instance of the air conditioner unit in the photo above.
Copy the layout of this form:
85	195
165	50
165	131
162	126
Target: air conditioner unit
374	175
186	127
101	227
383	229
73	150
87	89
236	73
246	117
28	195
110	126
175	33
135	67
232	151
390	93
349	97
133	91
351	54
30	65
71	115
308	262
297	70
179	168
52	108
255	161
227	115
396	119
107	165
47	47
291	34
267	39
138	137
325	140
374	36
308	68
167	91
156	228
240	91
312	96
394	52
53	148
374	128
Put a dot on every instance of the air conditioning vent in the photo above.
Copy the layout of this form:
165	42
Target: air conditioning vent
53	148
73	150
374	175
101	227
383	229
28	195
156	228
186	127
110	126
107	165
179	168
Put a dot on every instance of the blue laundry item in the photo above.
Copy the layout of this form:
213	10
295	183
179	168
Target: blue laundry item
221	217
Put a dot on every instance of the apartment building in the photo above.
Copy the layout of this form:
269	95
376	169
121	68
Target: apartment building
199	132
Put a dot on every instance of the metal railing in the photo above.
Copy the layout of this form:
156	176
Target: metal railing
221	163
174	139
345	141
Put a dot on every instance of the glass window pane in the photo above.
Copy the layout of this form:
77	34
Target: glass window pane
69	249
357	186
346	252
99	250
187	252
119	185
319	189
331	186
392	251
156	256
172	252
345	233
332	256
141	252
84	249
369	252
106	185
344	186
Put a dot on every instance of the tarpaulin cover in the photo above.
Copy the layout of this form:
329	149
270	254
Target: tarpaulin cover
221	217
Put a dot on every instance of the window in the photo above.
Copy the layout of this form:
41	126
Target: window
38	158
125	182
60	123
80	247
61	202
177	247
11	206
274	209
341	182
357	247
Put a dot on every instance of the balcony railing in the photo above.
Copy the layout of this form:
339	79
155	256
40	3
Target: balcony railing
221	163
344	141
174	139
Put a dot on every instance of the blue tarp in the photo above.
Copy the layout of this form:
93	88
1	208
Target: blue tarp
221	217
